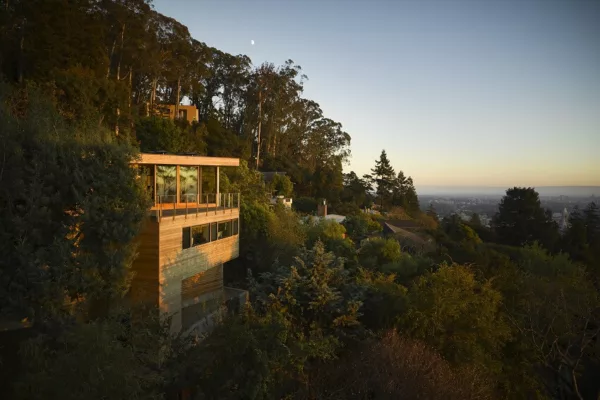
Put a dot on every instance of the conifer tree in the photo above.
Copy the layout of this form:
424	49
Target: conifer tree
383	176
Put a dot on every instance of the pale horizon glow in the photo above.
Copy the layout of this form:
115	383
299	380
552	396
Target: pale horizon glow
459	93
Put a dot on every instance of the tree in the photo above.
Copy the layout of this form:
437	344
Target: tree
459	316
316	292
522	220
120	357
376	252
306	205
396	367
475	220
404	194
552	306
575	239
360	226
163	134
432	213
591	216
458	231
70	208
282	186
383	177
356	190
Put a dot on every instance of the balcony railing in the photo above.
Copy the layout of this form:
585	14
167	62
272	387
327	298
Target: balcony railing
195	205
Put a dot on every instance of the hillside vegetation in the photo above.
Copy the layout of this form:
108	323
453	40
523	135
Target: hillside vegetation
337	311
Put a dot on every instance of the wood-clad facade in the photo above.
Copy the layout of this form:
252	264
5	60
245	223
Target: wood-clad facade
180	259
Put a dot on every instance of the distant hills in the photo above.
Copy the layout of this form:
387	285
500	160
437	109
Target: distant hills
572	191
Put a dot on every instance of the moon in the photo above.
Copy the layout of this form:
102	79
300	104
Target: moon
252	42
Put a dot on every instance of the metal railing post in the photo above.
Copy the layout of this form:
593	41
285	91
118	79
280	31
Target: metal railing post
159	208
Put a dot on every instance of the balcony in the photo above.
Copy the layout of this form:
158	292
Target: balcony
167	206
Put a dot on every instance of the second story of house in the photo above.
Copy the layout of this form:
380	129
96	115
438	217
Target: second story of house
186	185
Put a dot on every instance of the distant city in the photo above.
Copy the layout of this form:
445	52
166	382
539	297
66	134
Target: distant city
465	201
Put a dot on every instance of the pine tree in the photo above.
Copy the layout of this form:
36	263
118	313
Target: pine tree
522	220
591	217
383	176
411	200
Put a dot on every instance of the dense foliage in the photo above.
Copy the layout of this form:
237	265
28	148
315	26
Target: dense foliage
336	310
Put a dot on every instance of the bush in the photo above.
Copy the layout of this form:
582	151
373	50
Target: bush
397	368
305	205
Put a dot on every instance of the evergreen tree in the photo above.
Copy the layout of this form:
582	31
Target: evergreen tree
70	207
411	200
522	220
591	217
475	220
383	176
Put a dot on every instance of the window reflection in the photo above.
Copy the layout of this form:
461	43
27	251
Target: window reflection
166	183
188	184
209	183
200	235
225	229
146	173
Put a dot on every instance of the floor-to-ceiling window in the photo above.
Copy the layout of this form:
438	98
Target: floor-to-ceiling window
146	173
166	183
188	184
209	184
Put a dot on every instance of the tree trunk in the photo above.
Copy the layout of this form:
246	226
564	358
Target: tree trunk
120	53
153	94
575	385
177	94
112	53
259	126
21	57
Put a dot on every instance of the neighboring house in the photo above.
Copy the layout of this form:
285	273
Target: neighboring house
191	230
189	113
268	178
406	237
286	201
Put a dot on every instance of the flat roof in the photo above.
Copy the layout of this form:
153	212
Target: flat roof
175	159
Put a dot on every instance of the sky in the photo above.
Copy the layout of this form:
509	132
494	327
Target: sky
493	93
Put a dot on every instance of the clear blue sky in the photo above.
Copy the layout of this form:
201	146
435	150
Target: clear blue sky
469	93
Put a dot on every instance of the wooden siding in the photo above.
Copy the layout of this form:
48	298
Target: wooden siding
144	286
172	159
196	286
178	264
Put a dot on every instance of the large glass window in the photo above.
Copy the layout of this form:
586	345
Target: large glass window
225	229
146	173
209	183
200	235
188	184
166	183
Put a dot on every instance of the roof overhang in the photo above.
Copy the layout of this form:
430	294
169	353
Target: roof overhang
174	159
